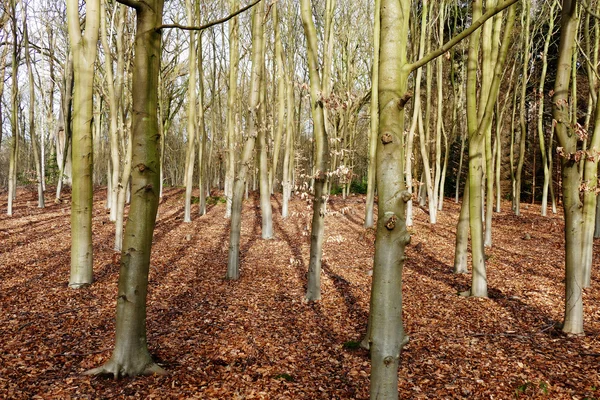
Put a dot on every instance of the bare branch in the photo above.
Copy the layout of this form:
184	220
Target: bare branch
210	24
458	38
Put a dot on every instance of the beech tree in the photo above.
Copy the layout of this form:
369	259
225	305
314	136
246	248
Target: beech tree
386	333
131	356
84	55
568	138
321	154
254	124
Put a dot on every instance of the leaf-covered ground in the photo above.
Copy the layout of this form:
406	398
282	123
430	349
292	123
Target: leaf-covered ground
256	338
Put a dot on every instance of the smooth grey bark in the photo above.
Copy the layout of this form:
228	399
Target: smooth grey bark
84	56
387	336
191	117
12	169
573	320
32	135
203	137
288	161
131	356
374	126
231	107
266	212
321	155
233	261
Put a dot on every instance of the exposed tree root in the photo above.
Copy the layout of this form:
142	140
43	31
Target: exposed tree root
119	370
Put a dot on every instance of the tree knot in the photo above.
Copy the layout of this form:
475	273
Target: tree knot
387	138
390	223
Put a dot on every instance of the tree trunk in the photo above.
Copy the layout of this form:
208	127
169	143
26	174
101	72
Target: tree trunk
191	117
321	163
12	169
202	162
32	135
288	161
373	132
231	106
523	111
387	335
254	124
266	212
540	125
573	322
131	356
84	56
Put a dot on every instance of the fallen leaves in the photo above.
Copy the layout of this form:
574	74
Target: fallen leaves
257	339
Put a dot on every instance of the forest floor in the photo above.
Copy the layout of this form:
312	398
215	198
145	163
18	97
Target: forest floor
256	339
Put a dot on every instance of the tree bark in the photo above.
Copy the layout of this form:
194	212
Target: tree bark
254	124
131	356
374	127
387	335
84	56
231	107
191	119
321	154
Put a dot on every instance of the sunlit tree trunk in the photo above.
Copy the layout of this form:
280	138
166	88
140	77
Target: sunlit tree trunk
84	56
231	106
202	162
387	335
321	155
113	110
573	321
374	127
191	117
254	124
131	356
12	169
280	99
32	135
477	132
288	161
266	212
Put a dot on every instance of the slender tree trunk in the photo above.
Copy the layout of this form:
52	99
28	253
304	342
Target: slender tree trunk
523	110
191	119
131	356
491	38
573	322
12	169
288	161
540	125
254	124
32	135
266	212
84	56
281	97
231	106
439	125
321	163
114	110
374	127
476	148
202	162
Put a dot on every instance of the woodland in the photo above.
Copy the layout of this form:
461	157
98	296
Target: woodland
294	199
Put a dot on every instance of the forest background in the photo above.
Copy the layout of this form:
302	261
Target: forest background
311	101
